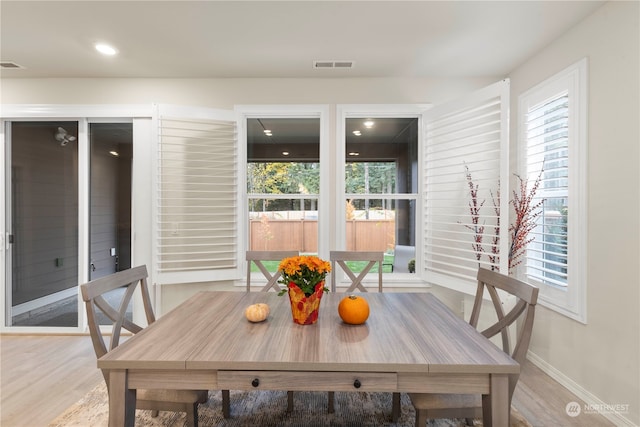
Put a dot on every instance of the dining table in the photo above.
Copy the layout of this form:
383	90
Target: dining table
411	342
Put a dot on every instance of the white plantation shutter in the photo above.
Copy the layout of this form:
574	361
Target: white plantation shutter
197	204
471	135
548	150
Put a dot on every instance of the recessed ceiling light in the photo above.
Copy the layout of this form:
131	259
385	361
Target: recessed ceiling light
369	124
105	49
114	153
267	132
285	153
357	133
354	153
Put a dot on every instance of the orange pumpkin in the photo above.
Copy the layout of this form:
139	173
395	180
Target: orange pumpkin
353	309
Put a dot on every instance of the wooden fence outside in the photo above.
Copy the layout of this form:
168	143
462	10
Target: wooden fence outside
302	235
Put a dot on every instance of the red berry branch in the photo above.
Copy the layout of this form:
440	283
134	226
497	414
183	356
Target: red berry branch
474	209
526	212
494	256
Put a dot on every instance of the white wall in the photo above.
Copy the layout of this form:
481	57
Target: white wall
225	93
601	358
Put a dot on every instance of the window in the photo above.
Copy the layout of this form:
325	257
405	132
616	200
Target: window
381	157
553	141
283	183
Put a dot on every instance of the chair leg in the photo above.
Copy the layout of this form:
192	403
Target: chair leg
421	418
192	414
331	398
289	401
226	404
395	408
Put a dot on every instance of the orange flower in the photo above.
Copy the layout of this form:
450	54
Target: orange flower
305	271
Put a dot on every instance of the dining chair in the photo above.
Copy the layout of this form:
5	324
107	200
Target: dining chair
100	308
258	258
469	406
401	256
340	258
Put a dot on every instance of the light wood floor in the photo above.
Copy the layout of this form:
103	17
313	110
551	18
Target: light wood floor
31	399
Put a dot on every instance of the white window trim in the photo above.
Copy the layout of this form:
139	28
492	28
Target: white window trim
343	112
571	302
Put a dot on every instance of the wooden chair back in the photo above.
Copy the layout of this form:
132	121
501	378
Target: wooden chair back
258	257
93	296
340	258
524	309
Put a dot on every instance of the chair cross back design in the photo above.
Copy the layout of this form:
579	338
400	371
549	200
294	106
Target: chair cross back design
258	257
340	258
431	406
527	298
93	295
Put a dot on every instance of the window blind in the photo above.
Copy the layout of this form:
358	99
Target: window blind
465	159
547	127
197	207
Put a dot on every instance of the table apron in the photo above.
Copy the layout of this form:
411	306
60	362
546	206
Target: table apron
309	380
445	383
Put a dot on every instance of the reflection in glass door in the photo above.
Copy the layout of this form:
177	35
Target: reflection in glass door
110	202
42	220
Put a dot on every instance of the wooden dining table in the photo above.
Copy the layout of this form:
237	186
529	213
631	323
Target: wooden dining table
411	342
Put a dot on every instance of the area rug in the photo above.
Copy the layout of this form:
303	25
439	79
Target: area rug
268	409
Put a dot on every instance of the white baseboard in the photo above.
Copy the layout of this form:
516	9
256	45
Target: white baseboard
589	398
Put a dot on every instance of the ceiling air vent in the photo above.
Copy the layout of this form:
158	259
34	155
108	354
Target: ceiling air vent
332	64
10	65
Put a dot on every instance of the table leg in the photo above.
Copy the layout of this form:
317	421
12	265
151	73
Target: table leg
122	401
495	406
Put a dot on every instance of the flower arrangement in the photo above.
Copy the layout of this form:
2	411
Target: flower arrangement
305	271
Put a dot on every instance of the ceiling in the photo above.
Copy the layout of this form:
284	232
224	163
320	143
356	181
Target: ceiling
217	39
271	39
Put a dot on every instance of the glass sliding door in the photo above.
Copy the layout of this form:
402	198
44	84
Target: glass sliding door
42	219
111	146
42	216
110	195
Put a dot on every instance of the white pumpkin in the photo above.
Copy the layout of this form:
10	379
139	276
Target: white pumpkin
257	312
